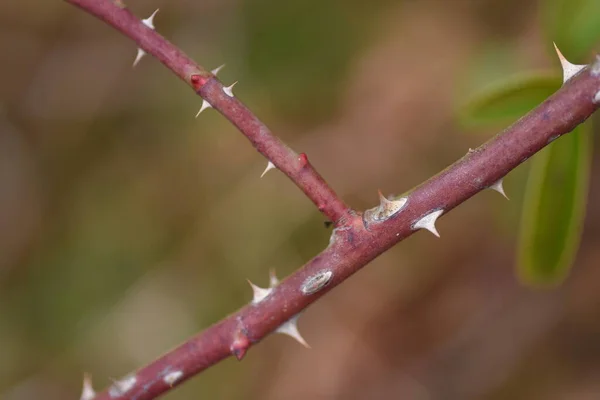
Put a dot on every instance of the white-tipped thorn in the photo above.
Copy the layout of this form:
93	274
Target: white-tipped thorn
595	69
498	187
569	69
387	208
428	222
216	70
121	387
88	392
290	328
270	166
273	281
172	377
149	22
228	90
205	105
258	293
140	53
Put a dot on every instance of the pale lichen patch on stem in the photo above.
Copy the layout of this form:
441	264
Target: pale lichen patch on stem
385	209
316	282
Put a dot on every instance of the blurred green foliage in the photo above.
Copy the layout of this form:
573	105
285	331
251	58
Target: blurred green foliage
574	25
554	204
301	51
554	208
507	100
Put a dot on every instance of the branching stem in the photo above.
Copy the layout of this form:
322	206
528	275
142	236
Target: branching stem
358	237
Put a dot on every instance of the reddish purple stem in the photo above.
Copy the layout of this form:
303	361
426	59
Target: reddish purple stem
295	166
358	238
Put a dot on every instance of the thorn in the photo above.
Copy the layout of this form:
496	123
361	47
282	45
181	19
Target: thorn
498	187
595	69
121	387
228	90
569	69
149	22
140	53
387	208
270	166
290	328
172	377
216	70
259	294
428	222
88	391
273	281
205	105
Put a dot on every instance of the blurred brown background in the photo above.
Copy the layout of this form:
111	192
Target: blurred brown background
126	225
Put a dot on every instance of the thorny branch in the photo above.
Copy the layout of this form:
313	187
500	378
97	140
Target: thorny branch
215	95
358	237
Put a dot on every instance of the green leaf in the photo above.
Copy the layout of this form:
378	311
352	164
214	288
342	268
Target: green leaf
574	25
554	208
506	101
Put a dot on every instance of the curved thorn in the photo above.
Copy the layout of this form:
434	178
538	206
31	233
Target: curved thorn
216	70
273	281
140	54
569	69
428	222
270	166
290	328
258	293
205	105
120	387
387	207
149	22
88	392
499	187
228	90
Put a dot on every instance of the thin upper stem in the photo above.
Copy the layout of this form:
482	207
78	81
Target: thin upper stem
204	83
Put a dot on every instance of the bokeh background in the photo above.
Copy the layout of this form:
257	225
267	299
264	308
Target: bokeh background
127	225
